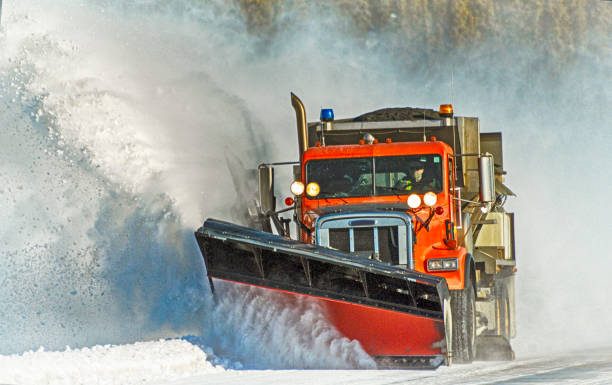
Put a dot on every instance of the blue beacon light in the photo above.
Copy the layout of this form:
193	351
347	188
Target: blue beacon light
327	114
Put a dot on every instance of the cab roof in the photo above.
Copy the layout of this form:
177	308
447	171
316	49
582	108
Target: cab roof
379	149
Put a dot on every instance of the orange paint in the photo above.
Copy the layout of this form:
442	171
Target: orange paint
380	332
384	332
444	210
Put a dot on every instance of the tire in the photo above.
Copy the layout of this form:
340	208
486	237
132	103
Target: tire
464	324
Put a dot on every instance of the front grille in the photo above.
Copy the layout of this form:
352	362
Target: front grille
364	246
339	239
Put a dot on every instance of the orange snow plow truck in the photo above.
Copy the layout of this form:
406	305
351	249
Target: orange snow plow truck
399	232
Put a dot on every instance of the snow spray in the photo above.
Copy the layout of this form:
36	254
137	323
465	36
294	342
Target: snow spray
117	120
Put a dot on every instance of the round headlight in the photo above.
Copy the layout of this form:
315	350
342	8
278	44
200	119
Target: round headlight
430	198
297	188
414	201
313	189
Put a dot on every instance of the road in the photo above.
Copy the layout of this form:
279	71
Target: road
587	367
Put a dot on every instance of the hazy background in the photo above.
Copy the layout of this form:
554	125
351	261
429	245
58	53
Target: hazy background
118	120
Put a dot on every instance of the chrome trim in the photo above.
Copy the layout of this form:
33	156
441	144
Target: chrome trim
302	125
376	248
402	221
402	233
486	170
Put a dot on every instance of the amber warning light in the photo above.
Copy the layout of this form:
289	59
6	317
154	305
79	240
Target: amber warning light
446	110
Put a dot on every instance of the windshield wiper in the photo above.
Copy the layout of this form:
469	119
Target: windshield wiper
393	190
333	197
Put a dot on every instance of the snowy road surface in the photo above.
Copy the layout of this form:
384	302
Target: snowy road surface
582	368
178	362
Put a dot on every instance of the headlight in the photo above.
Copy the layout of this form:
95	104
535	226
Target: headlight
297	188
442	264
414	201
313	189
430	198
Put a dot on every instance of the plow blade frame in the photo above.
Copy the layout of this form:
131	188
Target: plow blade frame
366	300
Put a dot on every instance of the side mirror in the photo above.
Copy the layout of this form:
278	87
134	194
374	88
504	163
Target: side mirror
487	178
265	179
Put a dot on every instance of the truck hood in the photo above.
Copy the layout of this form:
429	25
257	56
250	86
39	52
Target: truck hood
383	206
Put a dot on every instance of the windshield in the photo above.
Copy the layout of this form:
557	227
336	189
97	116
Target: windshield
378	176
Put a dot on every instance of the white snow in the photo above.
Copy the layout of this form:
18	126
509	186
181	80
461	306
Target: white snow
178	362
117	146
266	329
138	363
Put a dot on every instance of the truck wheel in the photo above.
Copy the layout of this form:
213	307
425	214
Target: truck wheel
464	324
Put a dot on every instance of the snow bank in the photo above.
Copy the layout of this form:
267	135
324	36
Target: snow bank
137	363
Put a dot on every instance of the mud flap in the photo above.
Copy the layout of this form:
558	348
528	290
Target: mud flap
493	348
393	312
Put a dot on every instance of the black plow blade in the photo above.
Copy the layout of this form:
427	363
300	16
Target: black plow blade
245	255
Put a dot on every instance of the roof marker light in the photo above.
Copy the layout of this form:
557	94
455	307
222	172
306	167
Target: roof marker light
369	138
446	110
327	114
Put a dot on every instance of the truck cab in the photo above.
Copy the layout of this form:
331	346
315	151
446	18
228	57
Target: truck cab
392	202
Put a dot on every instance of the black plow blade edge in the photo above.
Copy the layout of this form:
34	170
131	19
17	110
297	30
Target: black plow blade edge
409	362
250	256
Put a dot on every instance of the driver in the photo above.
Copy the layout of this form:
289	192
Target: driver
414	179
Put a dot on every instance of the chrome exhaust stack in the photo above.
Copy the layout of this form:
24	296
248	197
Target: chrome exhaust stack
300	116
